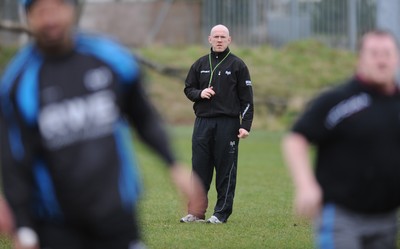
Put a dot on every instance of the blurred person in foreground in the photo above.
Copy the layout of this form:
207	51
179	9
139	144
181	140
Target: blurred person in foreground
69	172
354	195
219	84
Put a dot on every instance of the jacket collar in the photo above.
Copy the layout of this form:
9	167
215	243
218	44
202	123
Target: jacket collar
371	88
223	54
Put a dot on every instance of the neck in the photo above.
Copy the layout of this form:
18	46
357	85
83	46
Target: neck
387	87
222	52
56	49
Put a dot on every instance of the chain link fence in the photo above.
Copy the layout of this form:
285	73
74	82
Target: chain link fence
338	23
9	12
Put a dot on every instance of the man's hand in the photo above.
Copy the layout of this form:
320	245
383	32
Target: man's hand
243	133
190	186
308	200
26	238
6	218
308	192
207	93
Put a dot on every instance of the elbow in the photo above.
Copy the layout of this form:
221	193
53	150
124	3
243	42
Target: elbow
293	143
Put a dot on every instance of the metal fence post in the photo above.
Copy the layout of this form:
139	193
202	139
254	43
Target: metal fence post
352	17
294	6
388	16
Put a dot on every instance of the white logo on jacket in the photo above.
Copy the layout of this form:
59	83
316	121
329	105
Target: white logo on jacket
98	78
78	119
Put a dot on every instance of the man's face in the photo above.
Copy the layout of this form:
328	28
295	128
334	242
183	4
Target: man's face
378	59
51	22
219	39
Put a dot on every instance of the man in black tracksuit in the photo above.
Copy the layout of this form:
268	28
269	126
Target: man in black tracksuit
219	84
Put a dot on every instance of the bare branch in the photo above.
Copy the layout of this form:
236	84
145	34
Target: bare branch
161	69
13	27
177	73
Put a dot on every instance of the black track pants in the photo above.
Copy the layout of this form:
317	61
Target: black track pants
215	144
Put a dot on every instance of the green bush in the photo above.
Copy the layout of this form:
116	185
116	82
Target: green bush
5	55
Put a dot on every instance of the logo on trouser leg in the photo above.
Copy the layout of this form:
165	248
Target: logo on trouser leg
232	147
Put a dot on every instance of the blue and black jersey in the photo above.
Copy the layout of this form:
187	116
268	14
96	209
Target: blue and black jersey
66	146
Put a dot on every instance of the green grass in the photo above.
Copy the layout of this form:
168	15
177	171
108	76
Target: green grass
262	216
263	213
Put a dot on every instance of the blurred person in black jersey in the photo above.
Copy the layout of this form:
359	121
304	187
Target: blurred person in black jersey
354	195
67	102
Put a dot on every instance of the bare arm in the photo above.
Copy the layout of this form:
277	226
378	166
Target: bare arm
308	193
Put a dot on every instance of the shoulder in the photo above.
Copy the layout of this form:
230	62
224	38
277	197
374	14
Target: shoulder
98	43
236	58
16	67
337	93
111	52
238	61
327	101
203	59
321	112
200	64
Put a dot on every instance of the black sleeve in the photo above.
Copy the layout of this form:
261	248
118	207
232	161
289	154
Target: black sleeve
311	123
16	165
245	93
192	85
148	123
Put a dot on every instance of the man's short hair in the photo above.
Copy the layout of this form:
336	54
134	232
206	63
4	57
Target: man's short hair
377	32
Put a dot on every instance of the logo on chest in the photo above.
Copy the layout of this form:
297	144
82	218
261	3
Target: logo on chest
78	119
97	79
347	108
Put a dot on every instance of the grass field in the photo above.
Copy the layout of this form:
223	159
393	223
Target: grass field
262	216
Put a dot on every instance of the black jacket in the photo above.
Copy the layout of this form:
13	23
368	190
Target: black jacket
231	83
